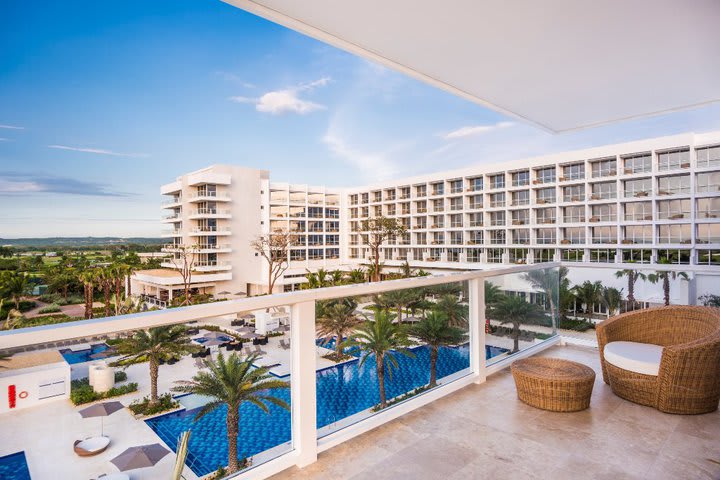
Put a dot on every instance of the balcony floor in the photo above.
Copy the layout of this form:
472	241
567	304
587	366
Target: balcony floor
484	431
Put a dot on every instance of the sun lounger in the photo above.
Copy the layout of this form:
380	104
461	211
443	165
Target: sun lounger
259	350
247	351
284	345
91	446
199	363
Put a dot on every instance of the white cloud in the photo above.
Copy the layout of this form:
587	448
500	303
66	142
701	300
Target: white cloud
475	130
2	139
12	127
373	165
278	102
98	151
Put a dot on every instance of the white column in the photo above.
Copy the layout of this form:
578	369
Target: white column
476	288
303	393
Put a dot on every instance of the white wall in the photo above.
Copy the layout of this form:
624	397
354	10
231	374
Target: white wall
30	380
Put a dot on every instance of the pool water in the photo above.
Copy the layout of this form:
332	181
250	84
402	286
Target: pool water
342	391
220	337
82	356
14	467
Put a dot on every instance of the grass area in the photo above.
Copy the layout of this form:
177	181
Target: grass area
81	392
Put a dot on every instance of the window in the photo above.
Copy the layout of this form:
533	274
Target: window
456	221
574	193
575	171
497	200
673	209
520	179
456	238
542	255
438	238
475	237
708	257
405	208
438	205
315	212
364	212
456	203
604	234
638	188
332	240
453	254
674	159
708	156
497	218
314	226
421	238
475	201
603	213
435	254
520	217
404	193
574	214
708	208
574	235
521	236
545	236
391	209
298	254
640	163
521	198
456	186
518	255
315	254
497	237
438	221
679	184
475	219
707	182
364	198
545	175
421	190
476	184
494	255
438	188
497	181
377	196
390	194
602	255
546	195
315	240
636	256
332	213
606	167
571	255
708	232
421	206
674	233
545	215
474	255
637	234
675	257
604	191
638	211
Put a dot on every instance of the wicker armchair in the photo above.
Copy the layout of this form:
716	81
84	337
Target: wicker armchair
688	381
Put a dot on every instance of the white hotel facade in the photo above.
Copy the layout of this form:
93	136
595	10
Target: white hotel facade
600	208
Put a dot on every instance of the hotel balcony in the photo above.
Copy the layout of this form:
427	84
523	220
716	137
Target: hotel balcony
200	231
171	202
210	213
201	248
209	197
171	218
171	233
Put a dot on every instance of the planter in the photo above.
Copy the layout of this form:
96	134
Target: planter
641	194
565	242
542	202
684	165
628	171
594	219
628	242
594	197
676	216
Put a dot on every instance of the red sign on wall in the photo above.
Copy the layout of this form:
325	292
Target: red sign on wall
11	396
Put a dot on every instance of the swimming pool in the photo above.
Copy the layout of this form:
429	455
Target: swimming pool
14	467
220	337
342	391
82	356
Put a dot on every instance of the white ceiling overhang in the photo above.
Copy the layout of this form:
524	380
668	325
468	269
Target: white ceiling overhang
558	64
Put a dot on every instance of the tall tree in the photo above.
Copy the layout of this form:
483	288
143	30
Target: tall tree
233	382
15	285
380	229
632	277
548	281
435	331
153	346
612	299
384	339
517	311
455	311
274	249
589	294
337	319
105	277
184	260
89	279
357	275
665	276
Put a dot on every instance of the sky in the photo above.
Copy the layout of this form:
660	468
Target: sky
103	102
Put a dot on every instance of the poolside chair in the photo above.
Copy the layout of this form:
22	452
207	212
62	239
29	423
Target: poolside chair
91	446
199	363
284	345
247	351
259	350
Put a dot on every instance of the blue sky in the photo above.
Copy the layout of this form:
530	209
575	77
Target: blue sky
102	102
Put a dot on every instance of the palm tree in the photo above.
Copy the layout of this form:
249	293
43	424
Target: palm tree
154	345
232	382
357	275
589	294
406	271
665	276
15	285
548	281
493	294
106	280
383	338
399	299
632	277
335	277
612	299
435	331
455	311
516	310
337	319
89	278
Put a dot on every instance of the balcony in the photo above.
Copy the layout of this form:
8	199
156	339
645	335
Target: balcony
209	213
200	231
171	233
171	218
208	196
171	202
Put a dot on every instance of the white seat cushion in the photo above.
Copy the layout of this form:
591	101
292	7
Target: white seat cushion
636	357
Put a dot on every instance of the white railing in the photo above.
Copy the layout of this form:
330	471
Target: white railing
305	442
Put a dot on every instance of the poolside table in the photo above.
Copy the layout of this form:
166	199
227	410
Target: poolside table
553	384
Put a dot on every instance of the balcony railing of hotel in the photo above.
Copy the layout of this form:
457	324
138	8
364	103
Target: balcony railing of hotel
171	201
210	229
210	211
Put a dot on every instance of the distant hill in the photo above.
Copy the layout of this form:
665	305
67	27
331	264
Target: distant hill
77	242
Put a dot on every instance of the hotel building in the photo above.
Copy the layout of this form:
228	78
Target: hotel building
638	203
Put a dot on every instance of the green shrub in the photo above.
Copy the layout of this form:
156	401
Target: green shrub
51	298
120	376
577	325
165	403
52	308
81	392
47	320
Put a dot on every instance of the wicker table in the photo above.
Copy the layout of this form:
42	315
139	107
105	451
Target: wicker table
553	384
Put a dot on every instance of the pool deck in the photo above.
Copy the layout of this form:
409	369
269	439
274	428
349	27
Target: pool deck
485	432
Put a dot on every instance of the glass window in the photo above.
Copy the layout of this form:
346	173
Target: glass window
673	209
604	234
604	213
542	255
708	156
674	159
377	196
520	217
708	208
575	171
545	236
456	221
674	233
675	257
604	168
497	218
521	198
475	201
571	255
603	191
456	186
521	236
679	184
520	179
708	257
456	203
636	256
438	188
707	182
474	255
497	237
602	255
420	190
475	237
494	255
421	206
574	214
708	233
475	219
545	175
640	163
497	181
518	255
638	188
635	211
574	235
637	234
545	215
574	193
476	184
497	199
546	195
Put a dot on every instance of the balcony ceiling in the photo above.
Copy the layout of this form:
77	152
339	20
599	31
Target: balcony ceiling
558	64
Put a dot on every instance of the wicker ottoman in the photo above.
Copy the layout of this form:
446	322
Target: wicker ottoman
553	384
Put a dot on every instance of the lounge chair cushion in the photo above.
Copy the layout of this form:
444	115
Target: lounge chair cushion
635	357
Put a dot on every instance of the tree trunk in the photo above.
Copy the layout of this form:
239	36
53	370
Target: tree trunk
88	301
106	298
631	290
433	365
117	296
666	289
553	319
376	260
65	291
516	337
232	421
338	345
154	371
380	359
271	283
